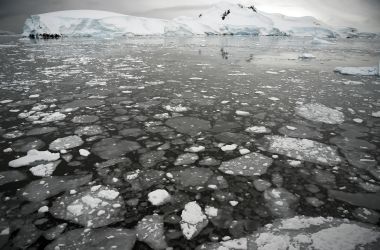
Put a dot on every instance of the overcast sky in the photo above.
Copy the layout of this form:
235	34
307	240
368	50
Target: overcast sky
363	14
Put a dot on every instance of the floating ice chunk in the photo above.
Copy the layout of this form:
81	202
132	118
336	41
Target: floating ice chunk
294	163
39	190
316	233
56	116
178	108
6	101
108	194
84	238
193	220
280	202
242	113
13	135
257	130
244	151
228	147
302	149
359	71
273	98
306	56
44	170
11	176
350	82
159	197
151	231
376	114
211	211
84	152
252	164
90	207
186	159
320	113
302	232
33	156
43	209
188	125
67	142
195	149
358	120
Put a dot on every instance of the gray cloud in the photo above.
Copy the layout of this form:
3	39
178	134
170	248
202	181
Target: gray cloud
364	14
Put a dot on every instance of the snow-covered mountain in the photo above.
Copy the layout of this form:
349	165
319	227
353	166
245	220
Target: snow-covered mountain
237	20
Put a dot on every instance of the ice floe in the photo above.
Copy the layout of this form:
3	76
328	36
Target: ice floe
110	148
151	231
34	156
159	197
92	207
188	125
320	113
64	143
39	190
44	170
359	71
302	149
193	220
253	164
101	238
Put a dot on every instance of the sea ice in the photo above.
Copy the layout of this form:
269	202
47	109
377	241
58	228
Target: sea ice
302	149
320	113
193	220
34	156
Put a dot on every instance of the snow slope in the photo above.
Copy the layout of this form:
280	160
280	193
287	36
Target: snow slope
240	21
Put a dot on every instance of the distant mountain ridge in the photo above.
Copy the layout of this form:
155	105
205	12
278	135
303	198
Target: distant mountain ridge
221	19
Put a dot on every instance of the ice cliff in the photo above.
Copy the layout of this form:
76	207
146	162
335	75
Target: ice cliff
237	20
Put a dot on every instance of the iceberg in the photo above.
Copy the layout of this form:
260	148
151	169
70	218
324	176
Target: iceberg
241	20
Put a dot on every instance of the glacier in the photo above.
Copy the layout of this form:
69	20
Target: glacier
240	21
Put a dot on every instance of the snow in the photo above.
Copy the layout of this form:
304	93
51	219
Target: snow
358	71
33	156
241	21
159	197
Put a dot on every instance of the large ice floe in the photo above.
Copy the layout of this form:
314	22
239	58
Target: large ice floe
302	232
302	149
253	164
101	238
34	156
92	207
320	113
358	71
240	20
